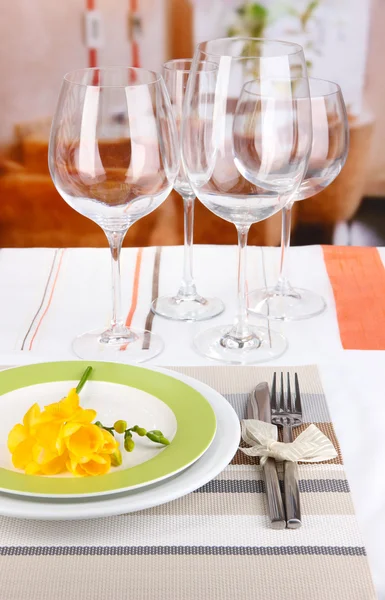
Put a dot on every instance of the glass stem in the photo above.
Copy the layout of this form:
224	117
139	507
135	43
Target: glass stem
187	287
115	239
283	284
240	330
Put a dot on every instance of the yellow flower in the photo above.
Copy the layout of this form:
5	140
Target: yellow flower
59	438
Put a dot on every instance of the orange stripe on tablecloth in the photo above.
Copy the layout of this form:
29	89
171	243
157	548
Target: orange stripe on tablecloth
135	289
49	301
135	292
357	276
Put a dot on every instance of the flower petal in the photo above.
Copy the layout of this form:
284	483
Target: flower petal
55	466
84	415
41	455
99	458
60	442
32	469
87	440
18	434
110	444
96	468
47	434
22	455
31	417
69	429
74	467
64	409
45	417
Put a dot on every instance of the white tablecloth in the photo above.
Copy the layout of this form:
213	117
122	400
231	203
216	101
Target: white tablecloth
78	297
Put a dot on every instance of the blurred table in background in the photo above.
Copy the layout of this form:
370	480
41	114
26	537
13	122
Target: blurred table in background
342	198
33	213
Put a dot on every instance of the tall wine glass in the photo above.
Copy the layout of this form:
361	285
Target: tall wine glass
187	304
328	156
245	159
113	158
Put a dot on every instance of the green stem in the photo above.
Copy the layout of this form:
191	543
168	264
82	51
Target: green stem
155	435
109	429
84	378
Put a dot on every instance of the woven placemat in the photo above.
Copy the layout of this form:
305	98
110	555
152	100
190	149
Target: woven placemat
214	544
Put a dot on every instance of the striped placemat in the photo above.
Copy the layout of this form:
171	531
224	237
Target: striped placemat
214	544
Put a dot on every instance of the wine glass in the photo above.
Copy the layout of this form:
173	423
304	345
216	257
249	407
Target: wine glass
245	159
113	158
187	304
328	156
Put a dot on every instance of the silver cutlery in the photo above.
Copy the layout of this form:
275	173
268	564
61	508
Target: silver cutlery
258	407
286	412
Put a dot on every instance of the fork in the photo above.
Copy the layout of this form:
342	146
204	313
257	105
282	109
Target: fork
286	411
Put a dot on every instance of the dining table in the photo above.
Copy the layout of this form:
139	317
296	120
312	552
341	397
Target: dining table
51	295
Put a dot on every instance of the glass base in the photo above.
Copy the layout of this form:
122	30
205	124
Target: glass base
129	346
260	345
295	305
189	308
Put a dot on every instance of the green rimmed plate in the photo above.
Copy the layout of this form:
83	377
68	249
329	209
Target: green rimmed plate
138	395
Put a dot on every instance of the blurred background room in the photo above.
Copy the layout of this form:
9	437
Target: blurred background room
42	40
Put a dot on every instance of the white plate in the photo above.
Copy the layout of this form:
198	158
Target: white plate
215	459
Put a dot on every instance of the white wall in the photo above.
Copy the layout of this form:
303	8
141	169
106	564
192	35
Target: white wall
375	97
42	39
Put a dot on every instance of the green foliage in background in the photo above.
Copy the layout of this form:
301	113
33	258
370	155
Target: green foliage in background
305	16
253	17
252	21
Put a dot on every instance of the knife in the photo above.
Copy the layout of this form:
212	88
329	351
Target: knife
258	407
